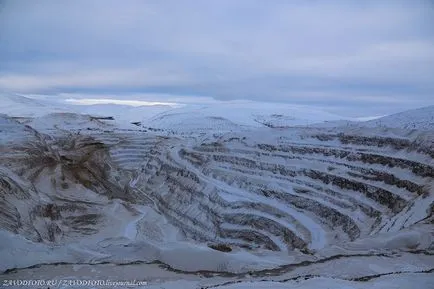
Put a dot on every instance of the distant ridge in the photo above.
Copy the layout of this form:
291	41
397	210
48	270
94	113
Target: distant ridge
420	118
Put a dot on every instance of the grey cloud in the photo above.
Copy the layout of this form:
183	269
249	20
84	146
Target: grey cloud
349	52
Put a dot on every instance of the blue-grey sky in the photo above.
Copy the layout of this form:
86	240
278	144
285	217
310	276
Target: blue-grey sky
354	57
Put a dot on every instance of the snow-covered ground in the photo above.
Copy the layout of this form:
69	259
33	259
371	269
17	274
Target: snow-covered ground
200	116
226	195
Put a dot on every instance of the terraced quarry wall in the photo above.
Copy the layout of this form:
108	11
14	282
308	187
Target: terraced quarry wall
274	190
306	192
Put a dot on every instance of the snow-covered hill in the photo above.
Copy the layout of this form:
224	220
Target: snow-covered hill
421	118
24	107
215	116
415	119
241	114
21	106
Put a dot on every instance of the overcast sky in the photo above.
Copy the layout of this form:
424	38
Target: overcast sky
355	57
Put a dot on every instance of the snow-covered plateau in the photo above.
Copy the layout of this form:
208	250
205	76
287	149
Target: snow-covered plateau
220	196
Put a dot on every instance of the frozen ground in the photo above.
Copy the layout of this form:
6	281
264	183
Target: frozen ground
207	197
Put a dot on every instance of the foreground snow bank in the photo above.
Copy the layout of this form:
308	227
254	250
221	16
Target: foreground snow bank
402	281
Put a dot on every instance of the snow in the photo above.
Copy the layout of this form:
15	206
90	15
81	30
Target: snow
249	113
131	229
217	115
135	228
408	281
415	119
21	106
421	118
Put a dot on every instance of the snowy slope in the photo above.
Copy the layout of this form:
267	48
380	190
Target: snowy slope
422	118
122	113
416	119
224	117
255	114
21	106
71	122
24	107
199	117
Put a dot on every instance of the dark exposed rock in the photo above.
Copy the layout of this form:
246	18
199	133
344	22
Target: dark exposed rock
220	247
